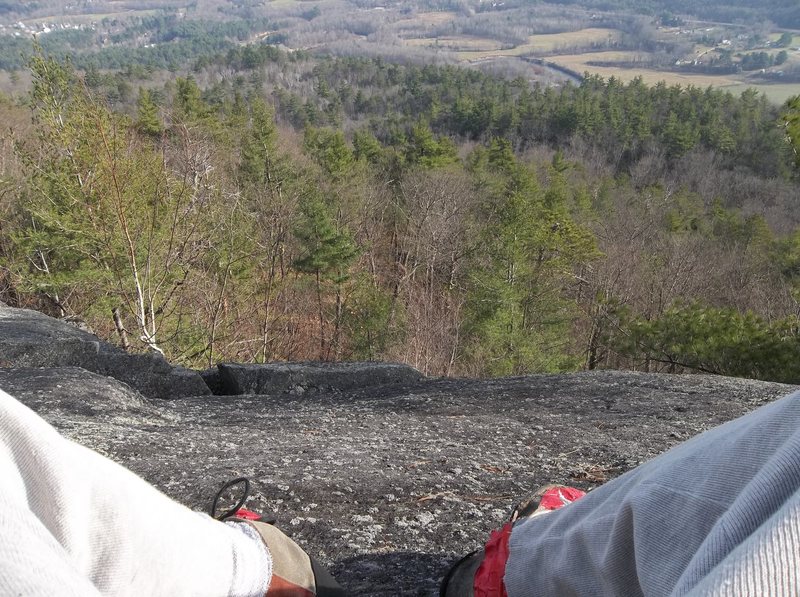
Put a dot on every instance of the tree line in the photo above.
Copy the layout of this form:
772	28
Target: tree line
156	42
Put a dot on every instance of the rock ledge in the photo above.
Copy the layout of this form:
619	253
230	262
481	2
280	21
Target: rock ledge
386	483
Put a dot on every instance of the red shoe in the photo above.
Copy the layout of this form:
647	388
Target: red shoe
480	573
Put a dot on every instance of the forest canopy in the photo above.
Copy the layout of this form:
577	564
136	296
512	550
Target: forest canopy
355	209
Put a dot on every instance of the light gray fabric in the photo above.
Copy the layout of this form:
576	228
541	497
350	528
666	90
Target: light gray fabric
716	515
75	523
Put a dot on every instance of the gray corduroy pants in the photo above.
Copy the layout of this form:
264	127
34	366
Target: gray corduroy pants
716	515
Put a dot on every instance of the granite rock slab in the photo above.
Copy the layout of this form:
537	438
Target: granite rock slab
31	339
299	378
389	484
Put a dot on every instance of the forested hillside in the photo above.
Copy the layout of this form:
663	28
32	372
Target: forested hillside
277	206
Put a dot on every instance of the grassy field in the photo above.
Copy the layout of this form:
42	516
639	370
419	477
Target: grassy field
579	63
552	42
540	44
430	18
776	92
88	19
477	49
463	44
795	41
480	48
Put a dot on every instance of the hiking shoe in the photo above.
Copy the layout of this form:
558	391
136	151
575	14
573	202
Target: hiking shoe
228	493
460	578
294	572
545	499
481	572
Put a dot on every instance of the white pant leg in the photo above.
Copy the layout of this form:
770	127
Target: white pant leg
75	523
718	514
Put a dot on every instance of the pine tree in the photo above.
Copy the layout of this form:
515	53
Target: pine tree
258	146
425	150
517	318
188	99
326	253
785	40
270	185
147	119
366	146
330	150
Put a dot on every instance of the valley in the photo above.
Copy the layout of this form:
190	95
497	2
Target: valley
507	38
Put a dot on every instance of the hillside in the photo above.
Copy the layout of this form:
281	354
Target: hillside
457	222
726	45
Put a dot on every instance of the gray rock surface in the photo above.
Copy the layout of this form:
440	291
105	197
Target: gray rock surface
32	339
298	378
389	484
72	396
27	326
150	374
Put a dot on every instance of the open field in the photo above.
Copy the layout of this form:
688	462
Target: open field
795	40
579	63
88	19
474	49
794	58
431	18
551	42
541	44
463	44
776	92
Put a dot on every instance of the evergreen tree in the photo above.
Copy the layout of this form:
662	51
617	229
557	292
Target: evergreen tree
258	145
366	146
188	99
425	150
326	253
785	40
330	150
717	340
517	318
270	185
147	119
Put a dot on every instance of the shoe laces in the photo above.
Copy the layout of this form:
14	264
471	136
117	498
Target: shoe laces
221	495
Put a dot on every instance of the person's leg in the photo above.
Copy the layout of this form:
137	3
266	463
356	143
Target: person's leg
766	563
719	513
75	523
